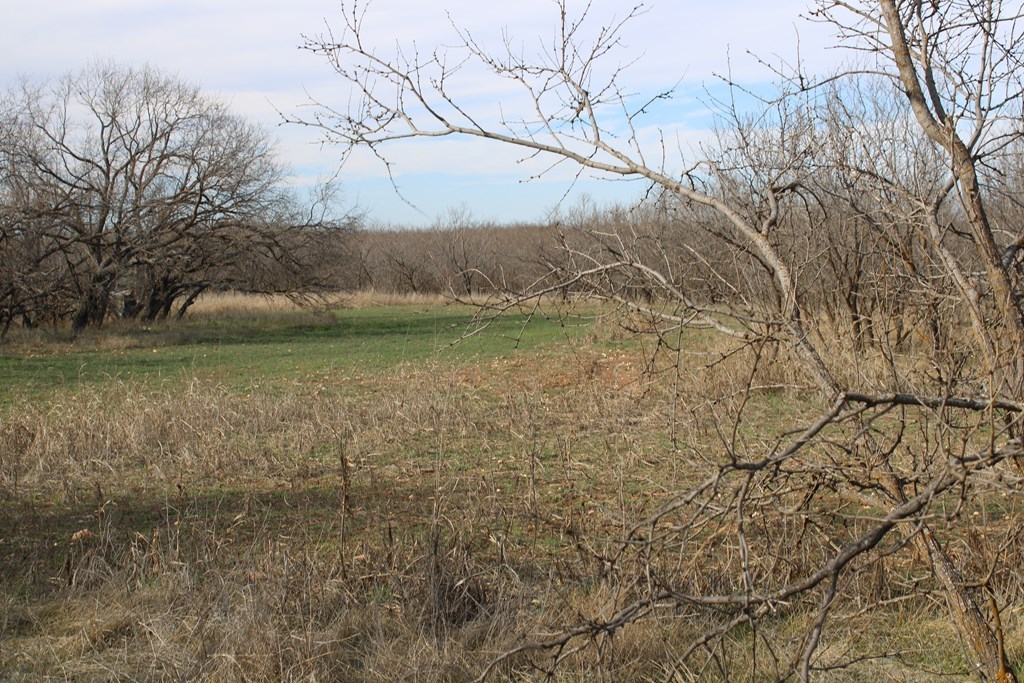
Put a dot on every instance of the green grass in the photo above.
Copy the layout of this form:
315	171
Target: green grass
271	348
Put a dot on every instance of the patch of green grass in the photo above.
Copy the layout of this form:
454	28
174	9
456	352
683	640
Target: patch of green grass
268	348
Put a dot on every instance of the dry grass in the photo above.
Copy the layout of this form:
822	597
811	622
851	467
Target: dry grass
227	305
236	304
407	524
368	298
200	532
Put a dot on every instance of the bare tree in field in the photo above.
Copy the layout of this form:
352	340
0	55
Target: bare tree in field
135	184
462	256
912	434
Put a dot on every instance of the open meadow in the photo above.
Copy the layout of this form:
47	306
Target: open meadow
261	493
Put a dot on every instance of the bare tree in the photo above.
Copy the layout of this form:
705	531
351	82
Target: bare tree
912	434
142	188
958	66
462	252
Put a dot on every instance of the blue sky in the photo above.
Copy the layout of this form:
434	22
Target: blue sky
247	52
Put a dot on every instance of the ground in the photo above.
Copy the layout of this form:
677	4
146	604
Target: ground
361	494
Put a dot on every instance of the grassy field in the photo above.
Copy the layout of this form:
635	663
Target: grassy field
271	347
349	495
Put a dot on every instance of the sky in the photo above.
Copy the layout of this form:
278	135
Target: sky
247	53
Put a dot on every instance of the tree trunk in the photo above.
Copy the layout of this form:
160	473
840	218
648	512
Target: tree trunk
984	643
92	309
191	299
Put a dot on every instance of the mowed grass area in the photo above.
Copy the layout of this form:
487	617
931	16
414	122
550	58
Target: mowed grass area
349	495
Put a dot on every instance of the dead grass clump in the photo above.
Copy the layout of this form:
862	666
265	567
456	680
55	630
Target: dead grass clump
166	437
234	305
15	440
369	298
234	610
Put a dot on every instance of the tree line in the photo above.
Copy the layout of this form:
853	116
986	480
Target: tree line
127	193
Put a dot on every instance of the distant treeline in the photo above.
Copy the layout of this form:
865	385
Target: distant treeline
846	271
